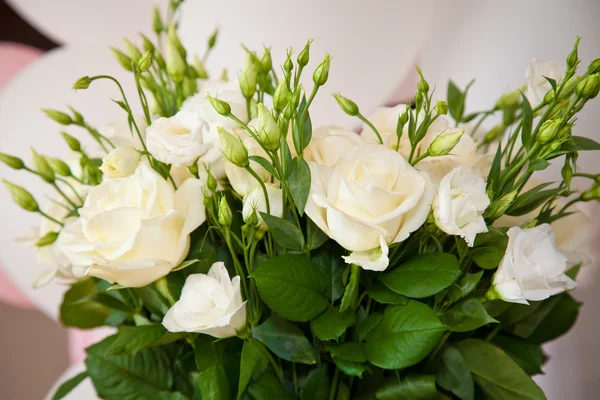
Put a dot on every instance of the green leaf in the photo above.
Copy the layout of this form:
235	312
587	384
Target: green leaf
350	368
454	375
252	365
286	340
421	387
350	298
463	287
268	387
69	385
489	248
263	162
285	233
558	320
211	384
466	316
496	373
211	381
332	323
384	295
531	200
368	324
331	264
494	175
351	351
292	287
538	165
299	183
456	101
405	335
529	356
423	275
585	143
152	299
527	123
130	340
317	384
315	236
302	134
80	307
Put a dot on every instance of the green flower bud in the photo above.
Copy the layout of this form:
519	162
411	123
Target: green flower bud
589	87
145	62
403	118
567	173
160	61
594	66
347	105
58	116
22	197
73	143
266	62
499	207
573	59
211	182
549	129
530	224
423	86
509	100
251	219
175	62
147	44
304	55
268	131
212	40
444	143
280	96
47	239
559	108
321	74
82	83
220	106
77	117
441	107
132	50
122	59
12	161
288	65
198	67
190	86
592	193
224	75
233	148
58	166
418	100
494	133
42	167
174	39
157	24
248	77
224	215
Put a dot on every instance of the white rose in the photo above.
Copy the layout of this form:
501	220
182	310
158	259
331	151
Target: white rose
120	162
210	304
537	85
329	144
119	134
368	200
532	267
459	204
255	202
134	230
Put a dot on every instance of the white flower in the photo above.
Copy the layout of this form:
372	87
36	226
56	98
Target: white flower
120	162
119	134
134	230
537	85
459	204
329	144
532	267
385	120
210	304
368	200
255	202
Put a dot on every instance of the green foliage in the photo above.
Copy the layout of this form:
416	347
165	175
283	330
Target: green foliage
285	233
268	387
420	387
489	248
286	340
529	356
317	385
69	385
466	316
454	375
330	263
130	340
299	183
252	365
332	323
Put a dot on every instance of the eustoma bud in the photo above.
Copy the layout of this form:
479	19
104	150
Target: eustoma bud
509	99
444	143
220	106
589	87
268	131
82	83
42	167
280	96
304	55
548	130
248	77
12	161
22	197
58	116
347	105
122	59
175	62
58	166
441	107
224	214
321	74
73	143
234	149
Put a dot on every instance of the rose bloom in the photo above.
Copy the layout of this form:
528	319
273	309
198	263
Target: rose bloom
210	304
134	230
532	267
329	144
368	200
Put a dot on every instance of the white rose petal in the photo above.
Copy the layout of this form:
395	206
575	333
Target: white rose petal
120	162
329	144
210	304
459	204
532	267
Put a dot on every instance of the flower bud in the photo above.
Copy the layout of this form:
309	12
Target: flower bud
444	143
120	162
175	62
266	62
321	74
233	148
567	173
418	100
132	50
248	77
589	87
549	129
82	83
422	86
12	161
224	214
199	68
220	106
73	143
268	131
157	24
212	40
47	239
42	167
190	87
494	133
594	66
592	193
174	39
347	105
58	166
288	65
211	181
441	107
145	62
280	96
304	55
509	100
251	219
573	59
58	116
122	59
499	207
224	75
147	44
77	117
22	197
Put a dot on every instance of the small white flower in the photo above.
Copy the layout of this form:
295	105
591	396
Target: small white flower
532	267
459	204
120	162
537	85
210	304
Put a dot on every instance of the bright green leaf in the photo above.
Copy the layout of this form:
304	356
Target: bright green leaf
351	368
526	123
350	297
263	162
384	295
332	323
529	356
351	351
69	385
130	340
299	183
421	387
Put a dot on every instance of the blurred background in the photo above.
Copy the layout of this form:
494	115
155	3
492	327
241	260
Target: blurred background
45	46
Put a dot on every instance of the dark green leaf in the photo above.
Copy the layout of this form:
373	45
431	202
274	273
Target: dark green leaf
529	356
489	248
584	143
405	335
152	299
496	373
463	287
558	321
527	123
382	294
351	351
317	384
350	368
350	298
268	387
466	316
286	340
531	200
456	101
454	375
252	365
421	387
574	271
332	266
315	236
299	183
285	233
211	384
368	324
263	162
538	165
423	275
69	385
130	340
292	286
332	323
79	308
211	381
494	175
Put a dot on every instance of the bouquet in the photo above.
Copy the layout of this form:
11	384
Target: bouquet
243	254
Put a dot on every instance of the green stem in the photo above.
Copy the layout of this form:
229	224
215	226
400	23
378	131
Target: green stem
334	384
50	218
493	333
236	263
72	188
370	125
262	185
59	190
143	98
421	157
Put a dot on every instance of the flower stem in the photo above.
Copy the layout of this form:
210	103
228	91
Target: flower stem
370	125
50	218
262	185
